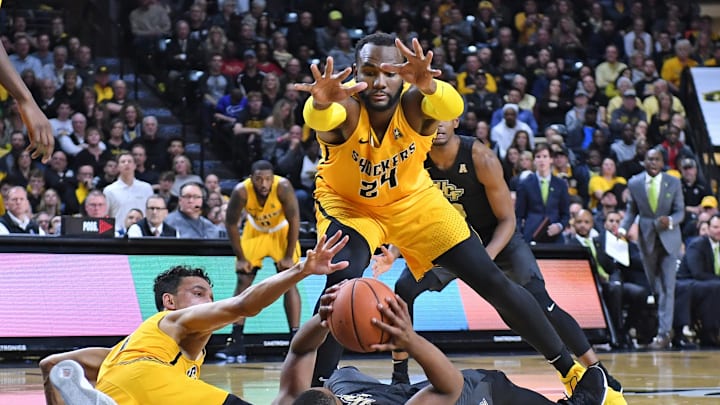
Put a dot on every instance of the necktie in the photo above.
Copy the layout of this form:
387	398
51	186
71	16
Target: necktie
156	232
716	254
544	189
601	271
653	195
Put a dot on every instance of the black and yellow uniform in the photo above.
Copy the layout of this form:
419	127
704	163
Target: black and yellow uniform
380	189
265	233
148	367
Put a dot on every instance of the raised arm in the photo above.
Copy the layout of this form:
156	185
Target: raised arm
89	358
40	132
207	318
489	173
446	381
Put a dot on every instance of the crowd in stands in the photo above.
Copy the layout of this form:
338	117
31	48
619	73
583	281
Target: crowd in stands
576	90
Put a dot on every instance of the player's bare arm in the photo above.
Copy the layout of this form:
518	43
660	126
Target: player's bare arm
286	194
42	141
238	200
446	381
191	327
89	358
331	101
489	173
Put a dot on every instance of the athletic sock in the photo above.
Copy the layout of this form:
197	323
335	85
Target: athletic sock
400	366
563	362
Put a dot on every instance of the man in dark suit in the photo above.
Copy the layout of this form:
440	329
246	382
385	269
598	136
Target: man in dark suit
153	225
542	204
607	272
698	286
656	200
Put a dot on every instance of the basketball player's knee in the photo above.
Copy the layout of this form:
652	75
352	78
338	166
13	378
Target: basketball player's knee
536	287
406	287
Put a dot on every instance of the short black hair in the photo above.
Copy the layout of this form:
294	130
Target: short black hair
314	397
261	165
169	280
377	38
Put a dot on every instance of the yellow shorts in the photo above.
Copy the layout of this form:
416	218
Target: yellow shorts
148	382
257	245
423	226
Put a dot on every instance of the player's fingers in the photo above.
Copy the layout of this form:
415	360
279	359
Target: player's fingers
429	57
384	347
339	265
392	67
315	70
329	66
303	87
349	91
418	49
407	52
339	245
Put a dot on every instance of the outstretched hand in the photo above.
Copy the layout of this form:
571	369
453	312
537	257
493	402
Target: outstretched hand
319	259
382	262
416	70
399	325
328	86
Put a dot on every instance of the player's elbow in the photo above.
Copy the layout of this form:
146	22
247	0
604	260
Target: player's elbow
47	363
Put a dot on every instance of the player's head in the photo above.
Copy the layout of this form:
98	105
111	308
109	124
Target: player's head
182	287
383	88
261	176
317	396
445	132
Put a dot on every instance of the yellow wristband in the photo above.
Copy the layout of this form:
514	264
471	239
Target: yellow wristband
445	104
323	120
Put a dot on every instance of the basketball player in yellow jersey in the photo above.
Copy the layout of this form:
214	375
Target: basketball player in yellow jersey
271	230
371	183
159	363
38	127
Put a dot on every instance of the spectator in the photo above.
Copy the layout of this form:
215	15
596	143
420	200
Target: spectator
636	165
694	188
553	106
148	23
656	200
575	175
645	87
51	203
183	174
85	179
527	22
17	218
327	36
673	148
606	270
624	148
251	78
481	101
141	171
61	124
212	86
228	108
119	98
19	173
42	218
84	66
628	112
608	71
699	273
42	49
638	31
126	192
270	89
651	104
182	53
188	219
95	205
607	179
298	162
343	53
132	117
513	97
102	85
115	142
302	33
94	152
110	173
542	202
22	59
504	132
153	225
55	71
661	119
155	146
673	67
164	189
132	218
212	184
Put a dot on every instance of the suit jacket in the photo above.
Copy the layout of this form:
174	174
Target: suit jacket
670	203
167	232
608	263
698	263
531	211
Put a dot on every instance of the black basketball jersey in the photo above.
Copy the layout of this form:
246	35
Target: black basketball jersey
353	387
461	187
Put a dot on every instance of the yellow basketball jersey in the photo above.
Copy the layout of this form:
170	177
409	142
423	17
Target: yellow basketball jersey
269	217
367	171
150	343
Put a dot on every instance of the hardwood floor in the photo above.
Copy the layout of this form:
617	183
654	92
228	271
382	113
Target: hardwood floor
672	377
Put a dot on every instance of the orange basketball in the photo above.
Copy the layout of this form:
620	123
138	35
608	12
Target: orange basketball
354	308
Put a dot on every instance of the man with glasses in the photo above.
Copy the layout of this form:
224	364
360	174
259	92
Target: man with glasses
188	219
96	205
153	225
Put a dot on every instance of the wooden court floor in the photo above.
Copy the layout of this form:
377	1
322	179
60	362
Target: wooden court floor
672	377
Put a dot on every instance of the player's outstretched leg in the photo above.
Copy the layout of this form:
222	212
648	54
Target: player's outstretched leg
69	379
590	390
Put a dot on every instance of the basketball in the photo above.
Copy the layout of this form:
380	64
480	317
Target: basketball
354	308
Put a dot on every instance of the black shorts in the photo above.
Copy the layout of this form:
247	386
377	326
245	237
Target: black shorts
516	260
